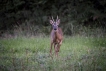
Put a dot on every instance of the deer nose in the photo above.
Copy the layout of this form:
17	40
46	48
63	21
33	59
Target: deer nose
55	28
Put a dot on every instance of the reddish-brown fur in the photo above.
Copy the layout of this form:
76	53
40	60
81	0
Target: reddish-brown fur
56	39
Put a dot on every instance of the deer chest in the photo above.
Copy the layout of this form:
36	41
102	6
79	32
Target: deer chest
56	41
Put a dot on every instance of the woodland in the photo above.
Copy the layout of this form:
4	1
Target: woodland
31	17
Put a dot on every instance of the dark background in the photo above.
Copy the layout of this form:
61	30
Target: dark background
31	17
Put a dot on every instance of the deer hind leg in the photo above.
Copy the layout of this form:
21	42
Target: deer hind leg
56	48
59	46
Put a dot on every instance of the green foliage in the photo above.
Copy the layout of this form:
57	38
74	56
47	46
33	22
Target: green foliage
72	13
76	53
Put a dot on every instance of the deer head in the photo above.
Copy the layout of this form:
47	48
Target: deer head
55	23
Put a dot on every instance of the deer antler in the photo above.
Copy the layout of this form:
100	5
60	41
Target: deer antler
52	19
57	18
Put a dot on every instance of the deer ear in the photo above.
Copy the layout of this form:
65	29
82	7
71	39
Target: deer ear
51	22
58	21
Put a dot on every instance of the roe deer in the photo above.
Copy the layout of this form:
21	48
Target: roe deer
56	36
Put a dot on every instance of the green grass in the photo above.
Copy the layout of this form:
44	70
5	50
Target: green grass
32	54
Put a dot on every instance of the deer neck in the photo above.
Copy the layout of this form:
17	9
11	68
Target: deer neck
56	34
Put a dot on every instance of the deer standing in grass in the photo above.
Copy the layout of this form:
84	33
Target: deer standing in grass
56	36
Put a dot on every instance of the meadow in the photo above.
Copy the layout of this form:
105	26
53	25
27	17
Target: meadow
77	53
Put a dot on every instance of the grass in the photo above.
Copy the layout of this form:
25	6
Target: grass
32	54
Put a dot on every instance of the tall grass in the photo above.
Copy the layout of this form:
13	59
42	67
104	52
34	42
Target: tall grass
32	54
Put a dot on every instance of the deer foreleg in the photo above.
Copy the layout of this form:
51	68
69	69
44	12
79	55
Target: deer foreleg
55	47
51	49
